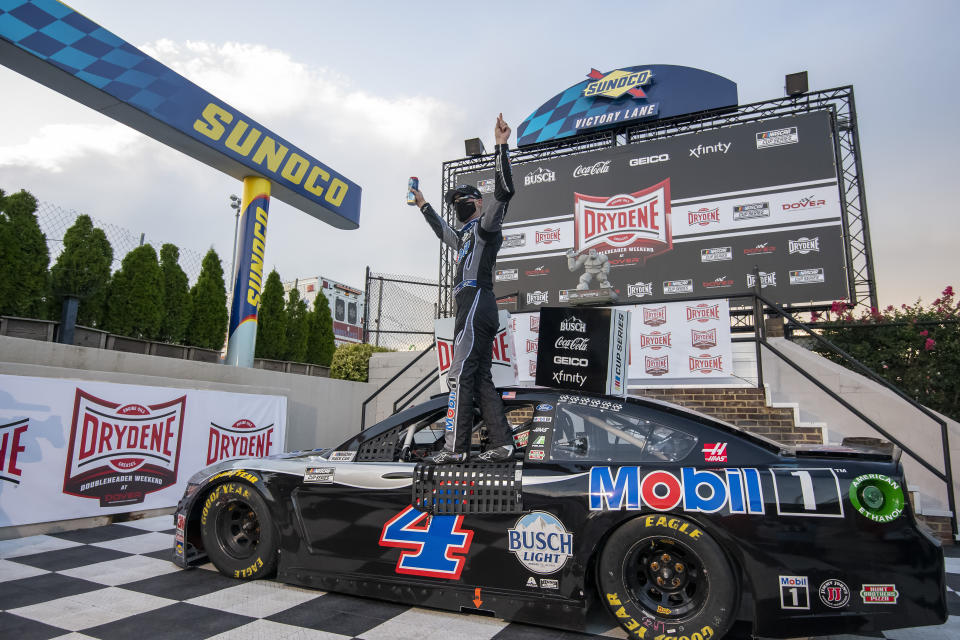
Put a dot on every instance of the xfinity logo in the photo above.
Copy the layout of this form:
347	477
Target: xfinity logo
639	162
603	166
562	376
702	150
538	176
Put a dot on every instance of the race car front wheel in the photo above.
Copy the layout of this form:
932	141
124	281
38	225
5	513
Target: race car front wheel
237	533
667	575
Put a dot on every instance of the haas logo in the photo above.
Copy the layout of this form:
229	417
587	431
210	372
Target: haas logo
121	452
638	222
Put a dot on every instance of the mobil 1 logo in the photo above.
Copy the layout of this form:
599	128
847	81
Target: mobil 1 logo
807	492
794	592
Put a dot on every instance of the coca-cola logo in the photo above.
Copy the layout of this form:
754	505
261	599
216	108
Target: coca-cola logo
597	168
119	452
573	344
638	222
538	176
243	439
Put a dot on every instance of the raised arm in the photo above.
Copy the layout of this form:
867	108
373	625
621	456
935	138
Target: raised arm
440	227
503	180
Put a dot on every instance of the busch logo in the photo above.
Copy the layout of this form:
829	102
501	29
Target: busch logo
655	340
766	279
656	366
705	363
538	297
703	216
714	451
603	166
640	289
535	323
540	542
532	346
573	344
703	339
654	316
716	254
538	176
243	439
803	246
639	222
547	236
10	448
810	202
703	312
121	452
573	323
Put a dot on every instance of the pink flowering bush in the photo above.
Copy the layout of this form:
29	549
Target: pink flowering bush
916	347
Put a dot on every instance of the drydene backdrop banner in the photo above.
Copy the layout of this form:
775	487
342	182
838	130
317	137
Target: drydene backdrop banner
684	217
668	341
503	362
79	448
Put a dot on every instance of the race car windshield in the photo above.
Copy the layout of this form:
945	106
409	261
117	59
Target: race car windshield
595	434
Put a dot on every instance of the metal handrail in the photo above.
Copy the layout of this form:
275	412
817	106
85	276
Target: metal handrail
363	407
418	387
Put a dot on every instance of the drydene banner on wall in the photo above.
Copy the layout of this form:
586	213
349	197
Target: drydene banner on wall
668	341
78	448
503	365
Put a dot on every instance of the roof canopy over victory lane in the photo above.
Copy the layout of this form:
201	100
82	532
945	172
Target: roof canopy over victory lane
632	94
54	45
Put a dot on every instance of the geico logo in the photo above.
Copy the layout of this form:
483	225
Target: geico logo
575	362
269	154
639	162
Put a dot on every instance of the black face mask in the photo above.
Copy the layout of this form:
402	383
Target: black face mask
465	209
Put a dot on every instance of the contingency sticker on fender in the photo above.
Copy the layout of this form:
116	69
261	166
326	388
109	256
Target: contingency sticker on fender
877	497
540	542
319	475
342	456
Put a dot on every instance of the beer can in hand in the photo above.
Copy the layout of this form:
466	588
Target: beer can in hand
412	183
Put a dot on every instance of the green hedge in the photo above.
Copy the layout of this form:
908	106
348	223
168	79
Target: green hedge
352	361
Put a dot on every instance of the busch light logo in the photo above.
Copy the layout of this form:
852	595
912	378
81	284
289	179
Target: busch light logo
119	451
703	312
538	297
547	236
656	366
573	324
538	176
655	340
638	222
655	316
243	439
766	279
639	289
540	542
703	216
803	246
703	339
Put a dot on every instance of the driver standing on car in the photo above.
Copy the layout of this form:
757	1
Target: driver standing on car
476	245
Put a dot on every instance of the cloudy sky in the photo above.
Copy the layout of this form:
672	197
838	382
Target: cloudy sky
384	90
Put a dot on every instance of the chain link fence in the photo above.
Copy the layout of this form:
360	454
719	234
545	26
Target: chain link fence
55	220
400	311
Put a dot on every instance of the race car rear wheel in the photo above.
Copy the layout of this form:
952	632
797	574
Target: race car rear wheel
668	575
237	533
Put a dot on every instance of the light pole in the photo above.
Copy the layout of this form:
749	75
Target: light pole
235	205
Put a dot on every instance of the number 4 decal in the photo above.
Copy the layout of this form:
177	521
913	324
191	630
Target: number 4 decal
434	547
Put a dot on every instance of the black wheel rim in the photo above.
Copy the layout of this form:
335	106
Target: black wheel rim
238	529
665	577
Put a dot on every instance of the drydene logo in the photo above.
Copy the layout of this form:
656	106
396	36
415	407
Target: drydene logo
639	289
538	297
714	451
617	83
531	346
119	452
703	312
766	279
705	363
655	340
638	222
539	175
10	448
703	216
655	316
535	323
241	440
656	366
804	245
540	542
547	236
573	323
703	339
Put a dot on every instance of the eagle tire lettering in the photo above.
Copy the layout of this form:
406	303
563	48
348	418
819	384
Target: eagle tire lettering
637	551
238	532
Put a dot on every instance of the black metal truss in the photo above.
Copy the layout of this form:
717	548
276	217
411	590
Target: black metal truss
839	102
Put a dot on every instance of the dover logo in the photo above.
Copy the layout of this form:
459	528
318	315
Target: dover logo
656	366
617	83
655	340
714	451
539	175
538	271
639	222
435	547
10	449
703	312
547	236
810	202
703	339
540	542
703	216
655	316
243	439
121	452
705	363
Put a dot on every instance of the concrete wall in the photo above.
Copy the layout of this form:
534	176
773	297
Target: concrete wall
320	412
384	366
907	424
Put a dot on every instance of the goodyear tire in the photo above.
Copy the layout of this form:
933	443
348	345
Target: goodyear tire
237	532
664	578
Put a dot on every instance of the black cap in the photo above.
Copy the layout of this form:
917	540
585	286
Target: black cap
463	191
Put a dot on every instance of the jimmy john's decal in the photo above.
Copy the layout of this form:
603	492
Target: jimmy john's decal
121	451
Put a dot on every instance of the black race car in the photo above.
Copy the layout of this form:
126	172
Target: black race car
677	524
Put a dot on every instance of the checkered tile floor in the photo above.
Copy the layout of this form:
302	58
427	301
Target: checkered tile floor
117	582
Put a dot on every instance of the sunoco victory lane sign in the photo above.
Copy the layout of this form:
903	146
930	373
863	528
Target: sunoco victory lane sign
77	448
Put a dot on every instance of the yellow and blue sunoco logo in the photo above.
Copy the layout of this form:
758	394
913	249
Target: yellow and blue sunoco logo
249	284
617	83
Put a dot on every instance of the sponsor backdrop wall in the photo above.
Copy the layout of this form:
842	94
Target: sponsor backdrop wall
503	363
76	448
684	217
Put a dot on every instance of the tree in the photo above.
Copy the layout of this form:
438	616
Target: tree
208	306
320	344
24	258
135	302
352	361
176	295
83	270
272	320
298	328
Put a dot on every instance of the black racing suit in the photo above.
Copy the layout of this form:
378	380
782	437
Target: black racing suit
469	378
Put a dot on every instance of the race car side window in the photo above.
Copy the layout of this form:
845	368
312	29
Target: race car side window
594	434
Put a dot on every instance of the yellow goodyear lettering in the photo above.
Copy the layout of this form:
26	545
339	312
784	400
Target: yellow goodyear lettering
613	599
206	505
621	613
212	120
663	610
249	571
239	473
